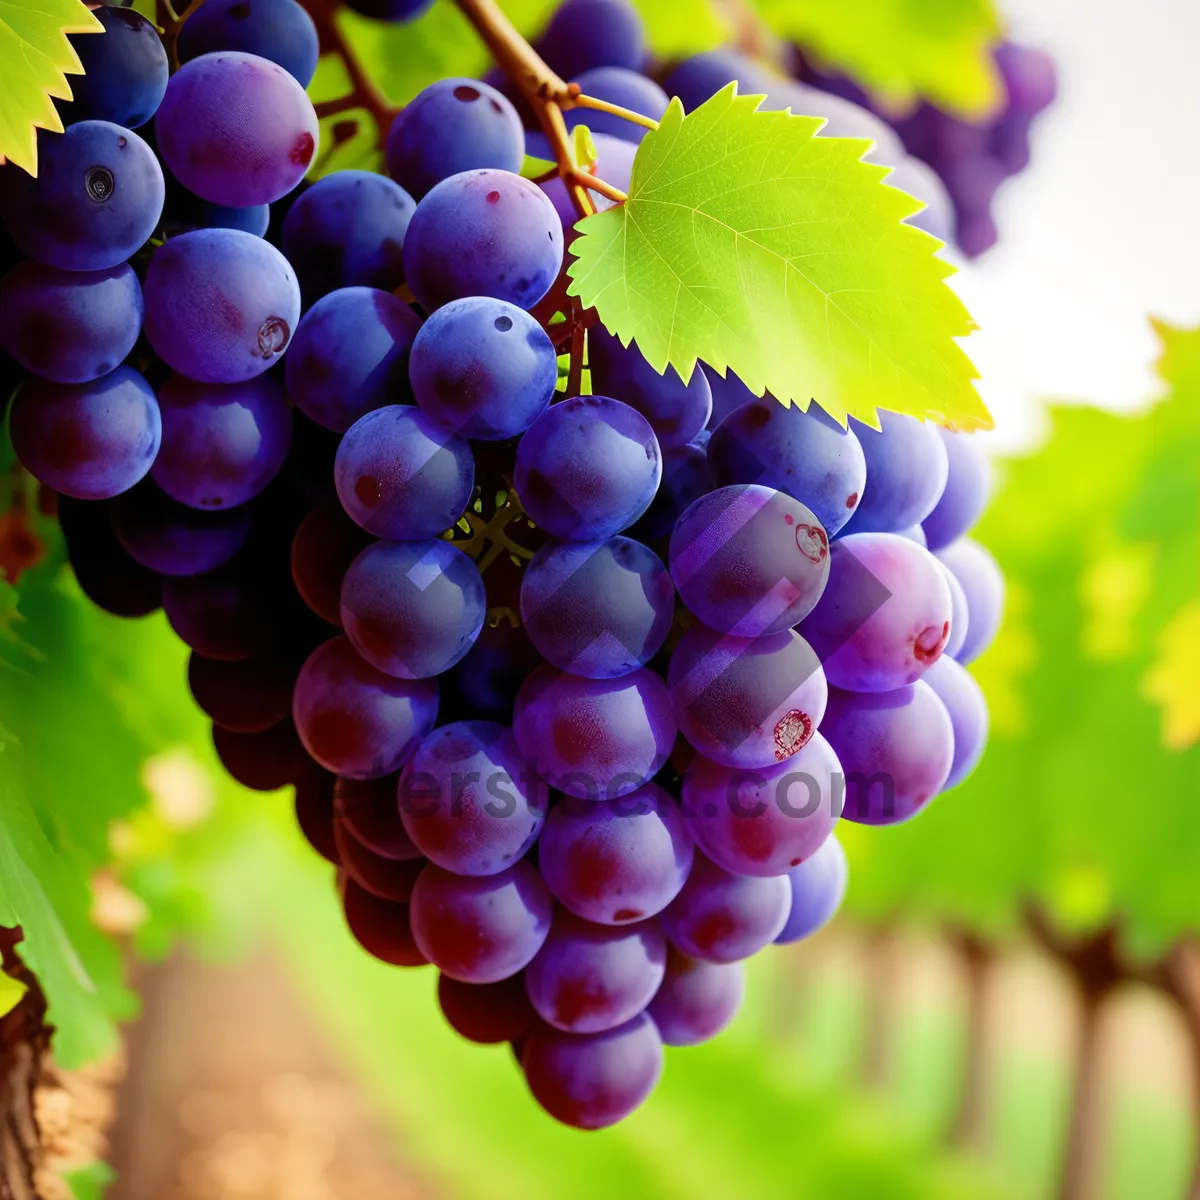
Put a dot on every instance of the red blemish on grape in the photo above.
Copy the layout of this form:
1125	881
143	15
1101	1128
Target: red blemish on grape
852	500
493	197
466	93
302	150
627	914
368	489
929	643
791	732
788	518
812	542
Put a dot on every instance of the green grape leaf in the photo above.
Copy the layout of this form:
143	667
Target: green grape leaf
534	168
752	244
901	50
11	993
35	59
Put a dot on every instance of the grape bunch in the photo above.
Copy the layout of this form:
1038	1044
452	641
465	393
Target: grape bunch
572	689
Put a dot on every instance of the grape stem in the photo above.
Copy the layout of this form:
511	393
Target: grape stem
170	22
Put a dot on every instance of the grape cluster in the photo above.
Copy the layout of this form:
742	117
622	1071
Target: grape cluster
572	689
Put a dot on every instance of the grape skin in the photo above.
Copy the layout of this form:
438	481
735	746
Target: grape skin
171	538
968	483
585	34
486	1013
697	999
388	878
279	30
982	583
247	696
106	575
818	888
381	927
370	810
325	543
263	761
964	701
907	467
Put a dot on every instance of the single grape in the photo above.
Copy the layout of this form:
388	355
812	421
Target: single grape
401	475
355	720
806	454
983	586
483	233
413	609
906	473
89	440
347	230
697	999
221	305
960	618
616	861
885	615
700	77
625	88
227	614
388	878
381	927
481	929
584	34
486	1013
326	542
106	575
964	700
896	749
749	560
97	198
728	393
492	671
247	696
264	761
483	368
314	811
171	538
685	478
69	326
818	888
587	468
370	811
278	30
965	495
350	356
236	129
594	738
766	821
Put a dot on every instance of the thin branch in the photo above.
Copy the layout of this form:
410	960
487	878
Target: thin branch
578	344
583	179
580	99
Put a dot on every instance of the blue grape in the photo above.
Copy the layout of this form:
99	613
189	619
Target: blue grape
324	545
806	454
226	614
594	738
697	999
492	671
468	799
236	129
728	393
173	539
616	861
677	411
486	1013
483	233
221	305
90	440
96	200
588	978
597	609
766	821
748	560
587	468
402	476
246	696
221	443
347	230
69	326
355	720
818	888
351	356
483	368
278	30
959	616
719	917
983	586
746	702
885	615
263	762
685	478
389	10
584	34
370	811
481	929
625	88
381	927
413	609
964	701
700	77
915	534
896	749
591	1081
906	472
966	492
124	72
452	126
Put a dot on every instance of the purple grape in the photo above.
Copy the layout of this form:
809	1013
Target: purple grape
885	616
124	72
616	861
677	411
350	356
381	927
685	478
906	472
481	929
700	77
486	1013
597	609
370	811
595	739
746	702
587	468
452	126
236	129
983	586
402	476
106	575
591	1081
1029	76
265	761
97	197
247	696
959	616
227	614
807	454
584	34
173	539
279	30
728	393
697	999
222	443
388	878
326	542
492	671
749	560
588	978
965	495
69	326
915	534
483	368
413	609
347	230
896	749
724	918
389	10
625	88
221	305
314	811
483	233
964	700
767	821
818	888
89	440
355	720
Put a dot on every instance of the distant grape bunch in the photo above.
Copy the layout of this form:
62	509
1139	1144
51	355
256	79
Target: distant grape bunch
572	689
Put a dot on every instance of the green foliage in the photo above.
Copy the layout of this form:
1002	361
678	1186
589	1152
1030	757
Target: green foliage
35	59
90	1182
752	244
682	27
